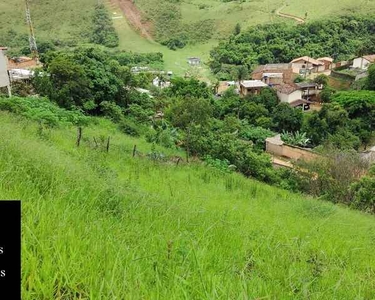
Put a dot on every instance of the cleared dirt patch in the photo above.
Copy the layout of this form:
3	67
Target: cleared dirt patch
134	17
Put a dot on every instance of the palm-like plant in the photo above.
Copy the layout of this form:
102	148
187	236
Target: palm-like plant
296	139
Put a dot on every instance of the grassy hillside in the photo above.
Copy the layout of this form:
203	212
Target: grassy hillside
70	20
53	20
109	226
226	14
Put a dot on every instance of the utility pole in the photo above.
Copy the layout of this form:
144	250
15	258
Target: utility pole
32	40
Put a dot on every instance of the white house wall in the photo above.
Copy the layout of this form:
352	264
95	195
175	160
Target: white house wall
358	64
296	95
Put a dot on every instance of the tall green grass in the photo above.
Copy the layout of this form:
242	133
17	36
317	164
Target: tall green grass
100	225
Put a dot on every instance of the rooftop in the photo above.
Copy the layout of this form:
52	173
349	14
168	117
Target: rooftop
299	102
304	85
370	58
330	59
273	75
253	84
270	67
308	59
287	88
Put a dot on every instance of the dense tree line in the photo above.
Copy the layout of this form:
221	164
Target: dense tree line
340	38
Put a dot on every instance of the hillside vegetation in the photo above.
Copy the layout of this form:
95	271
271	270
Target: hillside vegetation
201	22
340	38
100	225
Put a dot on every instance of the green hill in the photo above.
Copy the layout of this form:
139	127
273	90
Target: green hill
100	225
68	22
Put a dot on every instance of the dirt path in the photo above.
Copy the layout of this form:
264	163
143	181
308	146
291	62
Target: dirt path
134	17
288	16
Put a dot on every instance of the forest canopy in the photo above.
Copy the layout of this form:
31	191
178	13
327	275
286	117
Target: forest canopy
340	38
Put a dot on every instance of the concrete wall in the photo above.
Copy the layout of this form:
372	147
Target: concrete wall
288	75
290	152
250	91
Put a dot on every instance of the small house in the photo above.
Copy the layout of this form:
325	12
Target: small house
293	95
306	65
328	62
194	61
309	90
251	87
274	74
288	93
273	78
363	62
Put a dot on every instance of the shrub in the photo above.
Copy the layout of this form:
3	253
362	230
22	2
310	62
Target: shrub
130	127
43	111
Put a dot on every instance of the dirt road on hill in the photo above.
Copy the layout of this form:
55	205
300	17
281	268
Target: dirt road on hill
288	16
134	17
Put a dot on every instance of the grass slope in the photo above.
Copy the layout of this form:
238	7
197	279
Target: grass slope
109	226
52	19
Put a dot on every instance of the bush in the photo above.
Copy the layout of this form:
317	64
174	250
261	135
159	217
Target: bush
364	194
130	127
111	110
43	111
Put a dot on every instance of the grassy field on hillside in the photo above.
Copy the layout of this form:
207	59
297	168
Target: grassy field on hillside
53	19
71	20
109	226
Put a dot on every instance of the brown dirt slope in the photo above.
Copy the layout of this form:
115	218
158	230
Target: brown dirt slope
134	17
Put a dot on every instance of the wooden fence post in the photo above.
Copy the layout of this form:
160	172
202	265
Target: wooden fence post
79	136
108	144
134	150
96	143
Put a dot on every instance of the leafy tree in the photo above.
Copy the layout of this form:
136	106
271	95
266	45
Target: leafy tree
371	78
251	111
257	135
280	43
316	128
190	114
242	73
237	29
359	105
344	139
85	78
286	118
103	31
267	97
326	94
364	191
321	80
181	87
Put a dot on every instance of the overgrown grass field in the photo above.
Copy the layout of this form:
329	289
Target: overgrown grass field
100	225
